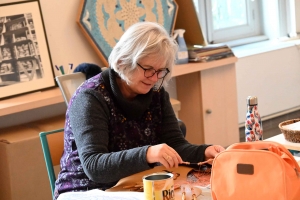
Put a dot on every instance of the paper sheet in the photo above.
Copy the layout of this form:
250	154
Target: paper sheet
101	195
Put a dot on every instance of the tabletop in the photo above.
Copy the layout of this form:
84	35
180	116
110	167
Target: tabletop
280	139
102	195
195	179
188	177
289	145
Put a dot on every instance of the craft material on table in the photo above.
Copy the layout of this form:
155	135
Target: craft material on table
183	193
199	178
209	161
187	178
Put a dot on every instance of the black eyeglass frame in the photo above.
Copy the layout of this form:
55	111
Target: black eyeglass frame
156	72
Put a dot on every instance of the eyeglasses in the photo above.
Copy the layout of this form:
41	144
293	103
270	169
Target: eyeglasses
162	73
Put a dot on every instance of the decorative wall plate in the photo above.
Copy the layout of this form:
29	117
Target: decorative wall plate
104	21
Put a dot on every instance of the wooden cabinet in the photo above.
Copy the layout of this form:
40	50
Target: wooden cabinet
19	54
209	101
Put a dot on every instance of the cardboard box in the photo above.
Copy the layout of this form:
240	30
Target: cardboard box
23	173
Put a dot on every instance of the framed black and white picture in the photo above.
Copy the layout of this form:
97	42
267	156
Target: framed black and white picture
25	63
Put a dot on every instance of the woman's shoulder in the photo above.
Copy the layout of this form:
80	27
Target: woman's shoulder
88	87
91	83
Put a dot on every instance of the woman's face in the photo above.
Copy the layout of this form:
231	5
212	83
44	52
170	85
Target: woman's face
139	83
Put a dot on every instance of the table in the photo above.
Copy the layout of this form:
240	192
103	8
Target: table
280	139
101	195
121	193
289	145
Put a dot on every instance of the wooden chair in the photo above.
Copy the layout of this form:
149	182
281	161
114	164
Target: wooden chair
52	146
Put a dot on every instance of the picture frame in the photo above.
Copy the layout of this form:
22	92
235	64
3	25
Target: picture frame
25	63
104	22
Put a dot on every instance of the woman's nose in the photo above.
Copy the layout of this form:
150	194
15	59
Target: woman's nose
154	78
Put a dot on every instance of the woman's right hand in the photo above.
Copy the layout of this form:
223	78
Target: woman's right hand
164	154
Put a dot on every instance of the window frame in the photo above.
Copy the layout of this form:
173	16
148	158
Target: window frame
264	14
251	28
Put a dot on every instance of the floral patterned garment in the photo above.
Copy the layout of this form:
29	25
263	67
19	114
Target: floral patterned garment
123	134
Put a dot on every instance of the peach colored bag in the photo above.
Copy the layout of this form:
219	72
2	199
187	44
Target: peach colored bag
260	170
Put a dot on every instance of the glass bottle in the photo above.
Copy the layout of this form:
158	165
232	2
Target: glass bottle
253	124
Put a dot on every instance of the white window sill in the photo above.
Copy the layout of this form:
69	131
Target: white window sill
264	46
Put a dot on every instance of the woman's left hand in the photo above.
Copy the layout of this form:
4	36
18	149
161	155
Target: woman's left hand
212	151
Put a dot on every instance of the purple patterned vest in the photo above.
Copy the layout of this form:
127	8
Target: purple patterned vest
123	134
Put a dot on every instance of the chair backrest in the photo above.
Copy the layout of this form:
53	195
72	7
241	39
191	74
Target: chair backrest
53	141
52	146
69	83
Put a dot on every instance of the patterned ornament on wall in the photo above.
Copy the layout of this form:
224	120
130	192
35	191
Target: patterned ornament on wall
103	22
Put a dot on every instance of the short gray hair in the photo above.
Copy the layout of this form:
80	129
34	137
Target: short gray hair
140	40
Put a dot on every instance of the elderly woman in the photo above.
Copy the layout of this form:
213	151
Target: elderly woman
121	122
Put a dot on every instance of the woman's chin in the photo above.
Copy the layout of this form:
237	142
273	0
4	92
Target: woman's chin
145	90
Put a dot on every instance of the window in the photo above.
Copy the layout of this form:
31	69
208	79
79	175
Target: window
245	21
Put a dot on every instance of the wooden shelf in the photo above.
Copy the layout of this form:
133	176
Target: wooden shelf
54	96
197	67
30	101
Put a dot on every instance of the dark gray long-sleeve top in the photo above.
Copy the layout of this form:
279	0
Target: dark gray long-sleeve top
89	117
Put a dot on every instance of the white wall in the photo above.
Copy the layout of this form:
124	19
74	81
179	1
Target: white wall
66	41
297	4
274	77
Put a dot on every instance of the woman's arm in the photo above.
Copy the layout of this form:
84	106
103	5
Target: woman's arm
89	118
171	134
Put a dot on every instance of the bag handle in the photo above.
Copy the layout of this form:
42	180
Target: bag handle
274	147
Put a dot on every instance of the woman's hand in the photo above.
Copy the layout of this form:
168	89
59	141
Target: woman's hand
164	154
212	151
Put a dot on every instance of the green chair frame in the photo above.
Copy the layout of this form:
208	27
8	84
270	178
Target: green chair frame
67	84
49	148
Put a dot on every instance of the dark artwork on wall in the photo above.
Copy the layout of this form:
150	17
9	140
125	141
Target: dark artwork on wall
25	64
